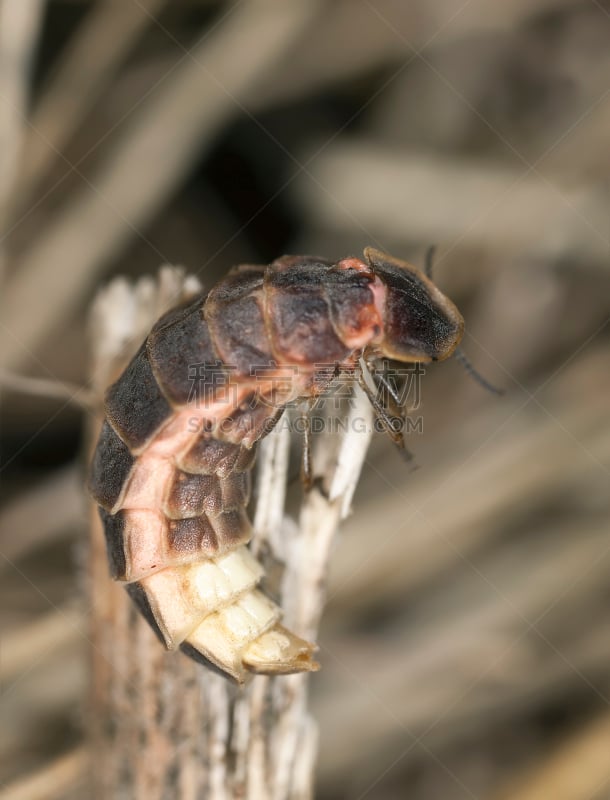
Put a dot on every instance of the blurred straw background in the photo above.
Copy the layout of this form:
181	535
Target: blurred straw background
466	642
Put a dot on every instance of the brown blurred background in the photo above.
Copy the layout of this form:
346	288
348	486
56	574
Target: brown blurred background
466	644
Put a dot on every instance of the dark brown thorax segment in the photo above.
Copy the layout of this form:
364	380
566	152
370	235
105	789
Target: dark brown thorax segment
183	357
298	313
319	312
234	311
420	322
354	303
135	405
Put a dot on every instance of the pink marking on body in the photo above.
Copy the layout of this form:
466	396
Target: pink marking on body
355	263
283	384
155	467
377	286
145	536
178	434
369	327
379	290
149	483
368	324
182	430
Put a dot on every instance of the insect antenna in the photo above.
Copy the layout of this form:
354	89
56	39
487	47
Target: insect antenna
459	353
429	260
474	374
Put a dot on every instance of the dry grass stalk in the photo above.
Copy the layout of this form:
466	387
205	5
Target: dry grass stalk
579	769
375	34
28	644
161	726
41	513
51	782
19	28
468	203
91	58
169	130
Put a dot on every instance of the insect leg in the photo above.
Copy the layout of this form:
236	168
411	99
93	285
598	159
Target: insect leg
380	380
306	464
387	420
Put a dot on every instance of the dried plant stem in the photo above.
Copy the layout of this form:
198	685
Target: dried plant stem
472	203
52	781
579	769
422	23
88	62
42	513
45	387
19	27
49	632
161	725
204	91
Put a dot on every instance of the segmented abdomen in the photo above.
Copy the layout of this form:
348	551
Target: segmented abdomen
171	471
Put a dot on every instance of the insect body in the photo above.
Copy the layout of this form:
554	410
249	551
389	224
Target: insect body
171	471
